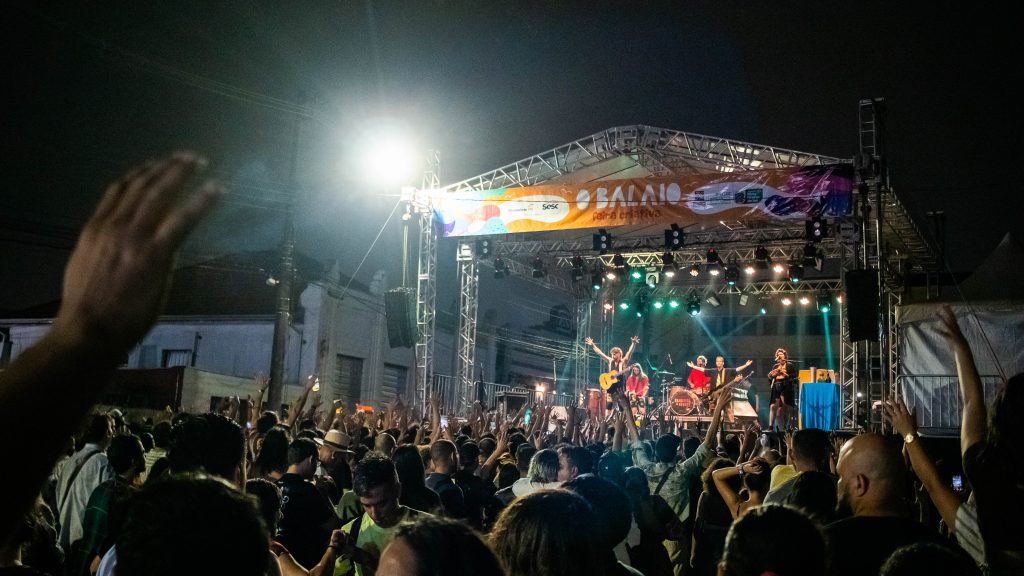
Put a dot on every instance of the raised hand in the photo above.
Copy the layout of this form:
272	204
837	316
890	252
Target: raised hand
588	341
635	339
115	282
948	327
901	419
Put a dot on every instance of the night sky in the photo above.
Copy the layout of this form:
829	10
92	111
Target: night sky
95	87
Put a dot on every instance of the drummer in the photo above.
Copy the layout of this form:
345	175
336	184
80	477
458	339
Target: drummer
636	385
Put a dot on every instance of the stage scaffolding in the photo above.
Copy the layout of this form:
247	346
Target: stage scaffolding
883	237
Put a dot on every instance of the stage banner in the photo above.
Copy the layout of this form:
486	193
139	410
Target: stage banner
777	194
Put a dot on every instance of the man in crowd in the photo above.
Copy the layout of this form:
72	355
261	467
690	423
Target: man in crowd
375	481
808	451
872	487
80	475
444	459
308	519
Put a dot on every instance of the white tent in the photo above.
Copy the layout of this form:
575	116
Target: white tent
990	307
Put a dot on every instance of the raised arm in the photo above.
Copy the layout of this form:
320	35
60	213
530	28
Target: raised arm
905	423
115	285
972	429
590	342
262	383
721	478
296	410
695	367
744	366
632	346
716	418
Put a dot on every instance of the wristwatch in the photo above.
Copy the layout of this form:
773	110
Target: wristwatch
909	438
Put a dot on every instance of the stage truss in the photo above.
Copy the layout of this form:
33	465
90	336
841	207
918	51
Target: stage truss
884	237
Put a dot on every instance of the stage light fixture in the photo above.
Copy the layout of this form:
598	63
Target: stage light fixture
693	306
804	300
695	270
658	304
713	300
744	298
749	269
839	298
824	302
673	303
817	228
778	268
764	309
602	241
786	300
610	274
500	268
538	268
608	306
668	265
618	260
673	238
623	305
796	272
636	274
712	256
407	215
714	269
810	255
732	274
484	248
596	280
762	258
577	268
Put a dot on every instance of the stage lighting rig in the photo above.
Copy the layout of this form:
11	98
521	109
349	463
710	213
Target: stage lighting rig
538	268
762	258
796	271
500	268
693	306
673	238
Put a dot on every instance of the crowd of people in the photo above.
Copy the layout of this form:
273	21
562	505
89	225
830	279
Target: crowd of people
330	490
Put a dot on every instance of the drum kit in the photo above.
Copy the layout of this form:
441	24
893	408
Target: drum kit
677	400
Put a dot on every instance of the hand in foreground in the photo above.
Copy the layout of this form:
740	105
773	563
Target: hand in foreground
903	420
117	277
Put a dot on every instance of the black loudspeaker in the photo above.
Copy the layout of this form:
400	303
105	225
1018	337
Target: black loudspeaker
400	315
862	304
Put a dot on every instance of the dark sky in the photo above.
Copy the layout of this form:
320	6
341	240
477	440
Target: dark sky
93	88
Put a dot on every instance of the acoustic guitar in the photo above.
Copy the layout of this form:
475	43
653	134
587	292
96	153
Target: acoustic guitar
609	379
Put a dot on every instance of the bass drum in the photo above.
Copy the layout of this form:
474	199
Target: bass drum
682	402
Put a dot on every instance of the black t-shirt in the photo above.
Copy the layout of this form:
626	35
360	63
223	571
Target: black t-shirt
861	544
476	494
452	499
302	528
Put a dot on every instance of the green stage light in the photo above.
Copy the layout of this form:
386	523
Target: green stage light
658	304
624	305
673	303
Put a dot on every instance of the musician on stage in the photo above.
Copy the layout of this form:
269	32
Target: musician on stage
783	379
720	376
636	387
617	362
697	379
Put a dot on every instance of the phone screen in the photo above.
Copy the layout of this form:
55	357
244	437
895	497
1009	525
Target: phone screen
526	418
958	483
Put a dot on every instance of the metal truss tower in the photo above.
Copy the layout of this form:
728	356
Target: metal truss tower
469	283
426	277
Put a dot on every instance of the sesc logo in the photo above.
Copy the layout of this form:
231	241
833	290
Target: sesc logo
549	206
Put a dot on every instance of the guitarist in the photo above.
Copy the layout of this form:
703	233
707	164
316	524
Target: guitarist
720	376
617	363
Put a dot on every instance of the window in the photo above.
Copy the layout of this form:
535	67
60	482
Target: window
173	358
349	380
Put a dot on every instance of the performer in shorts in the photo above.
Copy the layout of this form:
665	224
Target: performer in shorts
783	379
617	362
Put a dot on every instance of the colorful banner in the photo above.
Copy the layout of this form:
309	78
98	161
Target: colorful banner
778	194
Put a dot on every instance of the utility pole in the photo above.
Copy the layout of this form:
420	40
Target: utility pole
283	314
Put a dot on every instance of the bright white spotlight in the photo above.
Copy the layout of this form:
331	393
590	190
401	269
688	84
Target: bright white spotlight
804	300
391	155
778	268
786	300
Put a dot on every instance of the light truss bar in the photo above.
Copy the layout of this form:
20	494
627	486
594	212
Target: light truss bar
581	355
426	281
469	283
665	150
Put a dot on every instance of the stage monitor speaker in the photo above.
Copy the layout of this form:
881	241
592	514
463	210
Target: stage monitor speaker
862	304
512	401
400	315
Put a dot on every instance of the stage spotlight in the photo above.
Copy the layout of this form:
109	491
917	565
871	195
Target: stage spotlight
596	280
693	306
804	300
658	304
407	215
824	302
538	268
714	269
484	248
636	274
732	274
602	241
608	306
817	228
577	268
695	270
778	268
839	298
796	272
744	298
618	261
673	303
713	300
610	274
762	258
749	269
786	300
673	238
623	305
764	309
500	269
668	264
712	256
810	255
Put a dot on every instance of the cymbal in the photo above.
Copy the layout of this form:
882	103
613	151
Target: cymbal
664	373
